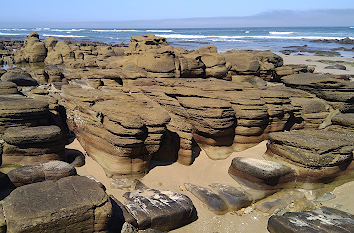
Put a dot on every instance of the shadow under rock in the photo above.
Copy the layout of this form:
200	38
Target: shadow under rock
75	157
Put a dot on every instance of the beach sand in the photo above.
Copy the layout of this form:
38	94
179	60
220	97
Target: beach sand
320	66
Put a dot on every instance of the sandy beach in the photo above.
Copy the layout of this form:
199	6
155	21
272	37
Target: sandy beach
320	62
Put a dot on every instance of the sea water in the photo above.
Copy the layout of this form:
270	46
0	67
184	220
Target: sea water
263	38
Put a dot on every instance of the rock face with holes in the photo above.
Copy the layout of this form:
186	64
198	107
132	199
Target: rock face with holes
160	210
75	204
324	219
30	145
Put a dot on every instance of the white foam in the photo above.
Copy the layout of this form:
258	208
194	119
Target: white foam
67	30
227	40
351	27
41	29
13	29
68	36
180	36
9	34
114	30
281	33
159	30
247	32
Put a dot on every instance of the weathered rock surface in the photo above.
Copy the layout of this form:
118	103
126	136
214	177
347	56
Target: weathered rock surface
21	111
121	131
53	170
313	148
324	219
338	93
30	145
259	178
19	78
222	199
8	88
71	204
160	210
33	50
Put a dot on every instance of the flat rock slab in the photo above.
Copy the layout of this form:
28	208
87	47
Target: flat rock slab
32	135
53	170
322	220
71	204
267	171
313	148
160	210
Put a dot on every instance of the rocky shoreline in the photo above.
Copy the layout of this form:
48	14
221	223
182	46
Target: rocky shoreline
131	107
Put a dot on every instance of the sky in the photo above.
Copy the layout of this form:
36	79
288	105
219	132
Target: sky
22	12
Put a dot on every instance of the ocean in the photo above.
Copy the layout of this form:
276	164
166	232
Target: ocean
263	38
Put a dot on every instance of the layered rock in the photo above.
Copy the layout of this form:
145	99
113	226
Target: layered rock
258	63
316	155
121	131
8	88
33	50
338	93
30	145
21	111
75	204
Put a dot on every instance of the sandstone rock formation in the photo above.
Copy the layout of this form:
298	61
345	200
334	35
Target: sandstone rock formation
33	50
21	111
338	93
30	145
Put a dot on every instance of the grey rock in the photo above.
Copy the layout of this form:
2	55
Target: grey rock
336	67
322	220
213	201
160	210
20	79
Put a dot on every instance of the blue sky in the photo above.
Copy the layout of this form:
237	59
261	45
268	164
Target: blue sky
115	10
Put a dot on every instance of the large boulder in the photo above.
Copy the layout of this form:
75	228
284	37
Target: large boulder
33	50
20	78
71	204
160	210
